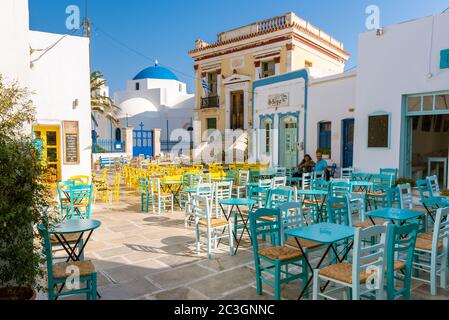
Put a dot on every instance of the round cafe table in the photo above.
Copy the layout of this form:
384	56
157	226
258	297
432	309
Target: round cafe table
74	226
236	203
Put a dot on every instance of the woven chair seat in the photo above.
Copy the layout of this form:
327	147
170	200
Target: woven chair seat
305	244
314	202
368	223
72	237
281	253
426	236
216	222
423	210
62	270
424	244
377	194
343	272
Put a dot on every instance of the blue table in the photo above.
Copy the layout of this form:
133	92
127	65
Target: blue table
362	185
432	203
326	234
394	214
236	203
316	194
74	226
362	176
295	180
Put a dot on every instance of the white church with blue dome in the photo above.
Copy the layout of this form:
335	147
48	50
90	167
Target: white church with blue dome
153	99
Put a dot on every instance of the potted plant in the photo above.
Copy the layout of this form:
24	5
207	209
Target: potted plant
326	152
23	198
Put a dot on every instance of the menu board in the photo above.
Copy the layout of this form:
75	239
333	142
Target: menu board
71	143
378	127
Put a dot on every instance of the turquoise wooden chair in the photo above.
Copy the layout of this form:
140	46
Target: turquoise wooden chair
145	196
367	260
378	196
406	202
80	201
189	181
338	209
401	242
339	188
277	197
314	203
293	217
59	274
389	171
275	260
64	203
260	195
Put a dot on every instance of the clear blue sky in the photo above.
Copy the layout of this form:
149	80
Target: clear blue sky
166	30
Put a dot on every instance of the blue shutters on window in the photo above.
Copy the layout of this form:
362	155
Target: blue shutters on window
444	62
325	135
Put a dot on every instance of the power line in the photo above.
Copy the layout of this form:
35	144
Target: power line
50	47
445	10
142	55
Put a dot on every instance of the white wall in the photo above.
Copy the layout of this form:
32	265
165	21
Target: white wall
58	78
390	66
156	102
295	89
330	99
14	44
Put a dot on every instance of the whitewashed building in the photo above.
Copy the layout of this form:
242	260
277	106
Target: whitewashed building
154	99
392	112
56	71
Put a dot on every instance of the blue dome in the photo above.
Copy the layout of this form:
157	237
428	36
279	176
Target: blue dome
156	72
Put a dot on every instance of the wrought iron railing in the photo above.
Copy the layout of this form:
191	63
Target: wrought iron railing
210	102
108	146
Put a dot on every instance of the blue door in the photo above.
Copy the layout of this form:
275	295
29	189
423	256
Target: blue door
348	143
142	142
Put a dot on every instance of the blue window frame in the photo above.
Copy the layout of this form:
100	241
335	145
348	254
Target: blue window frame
444	59
324	135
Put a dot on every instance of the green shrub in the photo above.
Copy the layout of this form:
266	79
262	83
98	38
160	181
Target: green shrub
405	181
23	195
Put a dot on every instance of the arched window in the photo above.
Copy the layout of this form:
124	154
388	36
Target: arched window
118	134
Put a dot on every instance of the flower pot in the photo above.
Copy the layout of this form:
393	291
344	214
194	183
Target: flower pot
17	293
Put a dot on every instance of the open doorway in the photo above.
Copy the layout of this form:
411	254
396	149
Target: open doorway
430	146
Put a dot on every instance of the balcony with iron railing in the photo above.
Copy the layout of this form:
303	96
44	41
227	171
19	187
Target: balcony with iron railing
210	102
276	23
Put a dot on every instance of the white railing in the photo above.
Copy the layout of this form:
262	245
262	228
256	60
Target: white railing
275	23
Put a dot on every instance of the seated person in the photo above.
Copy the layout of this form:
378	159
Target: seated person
321	165
305	166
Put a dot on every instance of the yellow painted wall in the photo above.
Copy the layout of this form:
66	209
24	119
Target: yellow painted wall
300	55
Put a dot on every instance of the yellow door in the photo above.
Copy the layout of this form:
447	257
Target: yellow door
50	147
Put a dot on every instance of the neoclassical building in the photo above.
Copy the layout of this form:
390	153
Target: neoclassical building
226	69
